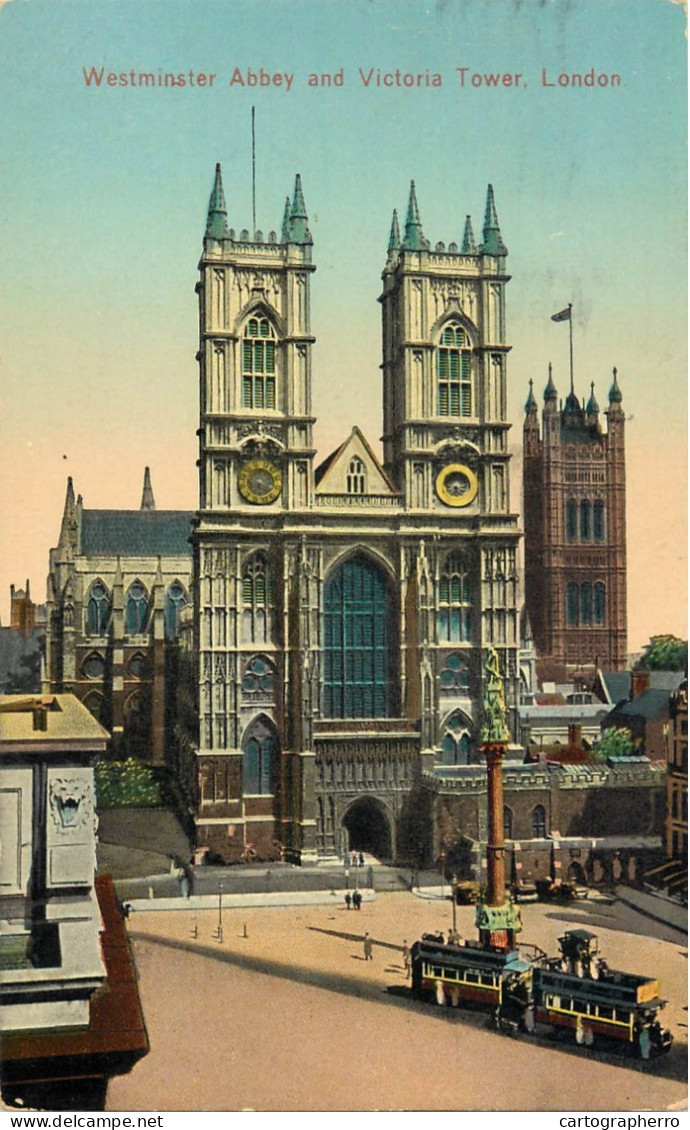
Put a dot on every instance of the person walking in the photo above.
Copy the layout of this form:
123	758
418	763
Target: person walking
348	899
368	948
357	900
407	958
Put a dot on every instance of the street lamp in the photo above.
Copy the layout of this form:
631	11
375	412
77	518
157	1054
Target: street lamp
220	911
454	894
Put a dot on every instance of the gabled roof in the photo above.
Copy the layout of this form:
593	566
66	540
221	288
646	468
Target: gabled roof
136	533
331	475
650	704
615	685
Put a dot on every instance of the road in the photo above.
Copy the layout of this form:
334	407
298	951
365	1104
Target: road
284	1014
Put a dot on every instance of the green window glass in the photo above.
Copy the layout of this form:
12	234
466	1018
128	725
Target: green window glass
599	603
259	759
258	365
572	605
454	603
454	373
356	642
136	609
598	521
586	604
571	520
585	521
97	610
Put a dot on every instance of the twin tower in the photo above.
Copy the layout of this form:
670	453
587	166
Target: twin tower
343	611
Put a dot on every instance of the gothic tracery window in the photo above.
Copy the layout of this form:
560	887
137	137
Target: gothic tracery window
539	822
456	743
97	610
175	600
258	364
356	476
136	609
259	761
259	678
455	675
454	372
257	599
356	642
454	601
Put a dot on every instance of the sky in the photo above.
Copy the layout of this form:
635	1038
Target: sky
104	190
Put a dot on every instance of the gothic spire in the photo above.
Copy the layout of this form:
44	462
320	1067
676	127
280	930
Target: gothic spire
216	223
531	405
414	236
68	526
493	243
550	393
615	394
285	232
592	408
298	228
469	247
394	239
147	499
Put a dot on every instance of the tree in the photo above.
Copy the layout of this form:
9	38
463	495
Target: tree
617	741
664	653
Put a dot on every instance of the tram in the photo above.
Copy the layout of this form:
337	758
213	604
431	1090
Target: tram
575	990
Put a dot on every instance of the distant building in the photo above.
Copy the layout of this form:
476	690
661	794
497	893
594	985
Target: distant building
117	584
575	533
68	996
646	713
677	807
22	645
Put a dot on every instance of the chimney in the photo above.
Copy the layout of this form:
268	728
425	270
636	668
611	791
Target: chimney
640	683
40	717
575	734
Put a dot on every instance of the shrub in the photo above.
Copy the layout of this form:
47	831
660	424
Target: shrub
123	784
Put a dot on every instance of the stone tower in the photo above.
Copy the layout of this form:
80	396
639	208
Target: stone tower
575	534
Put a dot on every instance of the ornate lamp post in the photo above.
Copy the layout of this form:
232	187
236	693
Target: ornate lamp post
497	919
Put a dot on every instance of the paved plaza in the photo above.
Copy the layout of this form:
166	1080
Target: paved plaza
285	1014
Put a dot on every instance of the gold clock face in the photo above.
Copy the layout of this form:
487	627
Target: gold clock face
260	482
457	485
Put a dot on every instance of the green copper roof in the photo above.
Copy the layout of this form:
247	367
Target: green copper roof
494	728
493	243
414	236
592	406
469	247
216	224
298	229
615	394
394	239
531	405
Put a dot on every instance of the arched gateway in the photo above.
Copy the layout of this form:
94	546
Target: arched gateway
367	827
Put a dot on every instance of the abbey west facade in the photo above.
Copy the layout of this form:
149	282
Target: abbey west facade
342	612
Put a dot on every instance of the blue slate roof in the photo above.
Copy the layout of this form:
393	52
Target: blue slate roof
136	533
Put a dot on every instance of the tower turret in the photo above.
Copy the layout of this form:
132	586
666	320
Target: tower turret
414	236
469	247
147	500
493	243
216	222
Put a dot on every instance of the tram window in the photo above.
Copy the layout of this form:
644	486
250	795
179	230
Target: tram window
579	1006
553	1001
624	1017
472	978
437	971
605	1011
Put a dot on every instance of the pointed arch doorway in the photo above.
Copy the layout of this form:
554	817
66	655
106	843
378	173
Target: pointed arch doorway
367	828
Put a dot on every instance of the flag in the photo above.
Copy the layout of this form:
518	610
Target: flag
562	315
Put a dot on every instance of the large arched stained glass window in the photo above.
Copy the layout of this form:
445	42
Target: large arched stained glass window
175	600
260	759
356	642
136	609
97	610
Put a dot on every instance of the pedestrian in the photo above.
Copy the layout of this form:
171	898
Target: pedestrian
357	900
368	948
348	899
407	960
346	860
361	860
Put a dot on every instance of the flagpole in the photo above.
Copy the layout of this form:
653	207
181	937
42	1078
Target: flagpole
570	324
